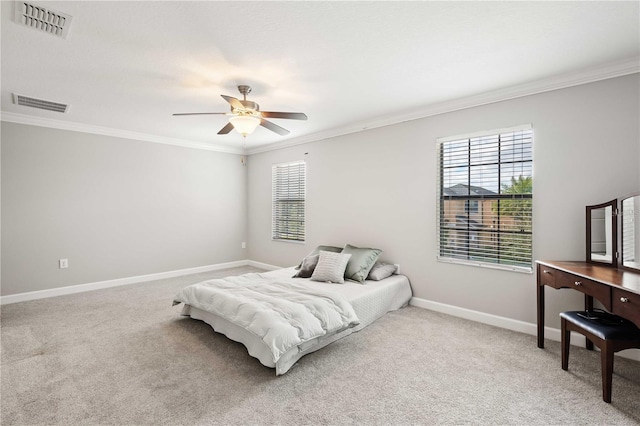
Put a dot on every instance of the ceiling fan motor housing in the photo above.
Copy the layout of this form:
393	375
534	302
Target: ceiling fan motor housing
247	115
250	105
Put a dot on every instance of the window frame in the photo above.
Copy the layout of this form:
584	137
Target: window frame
450	254
295	184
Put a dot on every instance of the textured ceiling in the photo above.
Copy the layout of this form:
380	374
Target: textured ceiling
127	66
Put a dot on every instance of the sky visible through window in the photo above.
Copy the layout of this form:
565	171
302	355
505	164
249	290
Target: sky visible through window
488	162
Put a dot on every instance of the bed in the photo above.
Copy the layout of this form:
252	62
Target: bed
356	306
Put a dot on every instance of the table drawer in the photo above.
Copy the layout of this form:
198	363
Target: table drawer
599	291
547	276
559	279
626	305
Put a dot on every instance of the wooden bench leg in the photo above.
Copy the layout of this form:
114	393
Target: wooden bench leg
626	337
606	358
565	341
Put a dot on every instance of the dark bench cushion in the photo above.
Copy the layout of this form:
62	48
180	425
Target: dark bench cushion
603	329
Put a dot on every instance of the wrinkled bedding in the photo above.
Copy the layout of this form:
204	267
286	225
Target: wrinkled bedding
283	314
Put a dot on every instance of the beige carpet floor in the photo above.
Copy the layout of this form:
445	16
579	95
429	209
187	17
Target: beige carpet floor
124	356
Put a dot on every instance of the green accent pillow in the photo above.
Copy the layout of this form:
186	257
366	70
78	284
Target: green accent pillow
361	262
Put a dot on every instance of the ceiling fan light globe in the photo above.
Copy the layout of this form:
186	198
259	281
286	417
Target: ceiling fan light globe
244	124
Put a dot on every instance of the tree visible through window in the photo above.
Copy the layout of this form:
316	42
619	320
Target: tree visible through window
485	199
288	201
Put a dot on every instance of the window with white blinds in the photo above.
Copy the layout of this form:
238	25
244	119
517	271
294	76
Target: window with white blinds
288	201
485	199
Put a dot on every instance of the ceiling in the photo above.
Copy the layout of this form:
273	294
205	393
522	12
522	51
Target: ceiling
125	67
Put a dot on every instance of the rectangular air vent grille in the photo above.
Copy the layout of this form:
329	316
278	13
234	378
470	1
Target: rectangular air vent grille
39	103
42	19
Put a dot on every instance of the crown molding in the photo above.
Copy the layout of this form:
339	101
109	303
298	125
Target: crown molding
12	117
591	75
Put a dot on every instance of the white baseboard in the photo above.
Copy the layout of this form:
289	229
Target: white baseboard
60	291
482	317
509	324
265	266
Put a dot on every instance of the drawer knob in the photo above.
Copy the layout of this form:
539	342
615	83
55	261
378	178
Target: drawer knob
578	283
624	299
544	271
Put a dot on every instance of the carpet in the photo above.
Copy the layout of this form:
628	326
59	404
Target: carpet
124	356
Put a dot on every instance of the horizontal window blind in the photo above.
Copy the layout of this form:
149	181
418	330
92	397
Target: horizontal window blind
288	201
485	200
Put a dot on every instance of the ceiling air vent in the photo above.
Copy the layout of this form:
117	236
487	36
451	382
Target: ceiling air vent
39	103
42	19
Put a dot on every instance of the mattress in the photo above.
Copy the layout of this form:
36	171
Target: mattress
370	301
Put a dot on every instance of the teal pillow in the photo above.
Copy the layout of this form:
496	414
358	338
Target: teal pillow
360	263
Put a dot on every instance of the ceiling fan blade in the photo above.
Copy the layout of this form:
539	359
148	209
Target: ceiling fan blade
274	127
226	129
289	115
233	101
199	113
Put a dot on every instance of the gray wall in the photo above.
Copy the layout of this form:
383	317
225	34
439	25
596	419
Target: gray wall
377	188
114	207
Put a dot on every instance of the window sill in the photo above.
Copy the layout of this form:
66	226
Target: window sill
511	268
287	241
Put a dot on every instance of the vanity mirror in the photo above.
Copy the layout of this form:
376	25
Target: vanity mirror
630	232
602	233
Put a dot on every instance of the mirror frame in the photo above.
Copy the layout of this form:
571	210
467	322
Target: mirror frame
637	223
614	233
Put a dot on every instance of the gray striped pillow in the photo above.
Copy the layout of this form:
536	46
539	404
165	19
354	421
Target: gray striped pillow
331	267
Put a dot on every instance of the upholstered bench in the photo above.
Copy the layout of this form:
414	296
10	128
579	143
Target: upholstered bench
608	332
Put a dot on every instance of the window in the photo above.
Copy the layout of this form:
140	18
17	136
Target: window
485	199
471	206
288	198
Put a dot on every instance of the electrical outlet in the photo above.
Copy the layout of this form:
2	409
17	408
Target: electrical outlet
397	268
64	263
244	245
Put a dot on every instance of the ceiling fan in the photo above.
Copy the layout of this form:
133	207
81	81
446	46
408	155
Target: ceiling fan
246	115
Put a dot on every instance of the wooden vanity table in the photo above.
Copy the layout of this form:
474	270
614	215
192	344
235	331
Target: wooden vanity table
611	272
618	290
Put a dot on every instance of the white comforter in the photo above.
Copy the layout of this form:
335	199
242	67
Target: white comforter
282	313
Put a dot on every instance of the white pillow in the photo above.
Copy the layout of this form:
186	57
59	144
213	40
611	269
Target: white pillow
331	267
